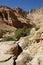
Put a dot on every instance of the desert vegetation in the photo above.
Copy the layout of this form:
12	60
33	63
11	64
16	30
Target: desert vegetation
17	34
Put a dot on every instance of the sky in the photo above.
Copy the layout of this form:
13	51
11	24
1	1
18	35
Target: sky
24	4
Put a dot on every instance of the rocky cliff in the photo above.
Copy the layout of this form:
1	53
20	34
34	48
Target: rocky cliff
27	50
9	18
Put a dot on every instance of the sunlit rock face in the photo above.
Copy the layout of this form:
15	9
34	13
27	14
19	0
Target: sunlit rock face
36	16
27	50
19	18
9	51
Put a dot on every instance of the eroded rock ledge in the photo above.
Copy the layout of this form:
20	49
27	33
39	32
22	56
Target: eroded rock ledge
9	51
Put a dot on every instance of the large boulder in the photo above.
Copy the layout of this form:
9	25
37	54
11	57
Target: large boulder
6	59
23	58
38	59
23	42
9	52
6	46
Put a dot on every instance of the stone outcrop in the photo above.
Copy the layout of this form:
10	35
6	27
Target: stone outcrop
33	48
9	18
18	18
20	12
6	19
12	19
23	58
9	52
22	17
27	50
36	16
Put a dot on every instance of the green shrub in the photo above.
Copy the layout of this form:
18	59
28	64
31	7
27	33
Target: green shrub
27	31
17	34
8	38
21	33
1	34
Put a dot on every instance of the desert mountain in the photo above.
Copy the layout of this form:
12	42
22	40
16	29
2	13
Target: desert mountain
12	18
20	12
36	16
26	50
18	18
6	18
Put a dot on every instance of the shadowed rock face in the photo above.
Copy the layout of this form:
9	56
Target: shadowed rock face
16	51
6	18
18	18
7	15
9	18
20	11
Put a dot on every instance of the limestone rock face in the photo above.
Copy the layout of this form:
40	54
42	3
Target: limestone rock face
9	52
7	18
23	58
36	16
19	18
27	50
6	46
6	59
38	59
20	11
23	42
33	49
13	18
22	17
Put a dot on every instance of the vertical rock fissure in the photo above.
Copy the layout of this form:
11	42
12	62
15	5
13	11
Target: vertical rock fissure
19	52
